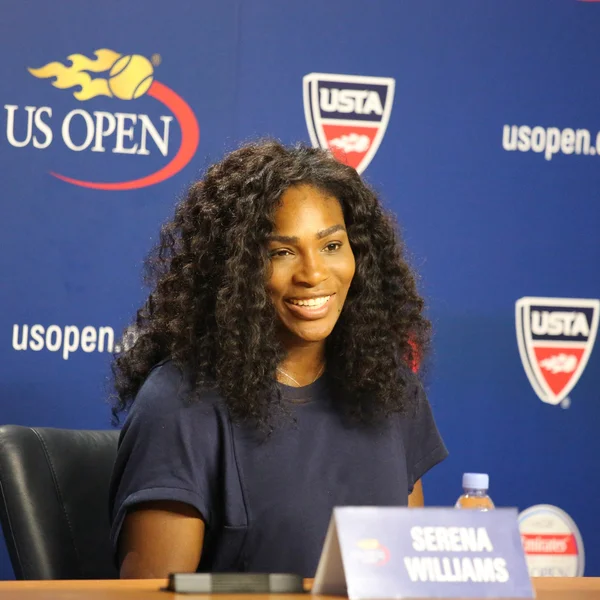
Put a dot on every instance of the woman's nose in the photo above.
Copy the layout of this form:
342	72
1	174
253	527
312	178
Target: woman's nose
311	271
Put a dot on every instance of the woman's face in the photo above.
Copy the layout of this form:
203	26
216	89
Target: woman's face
312	263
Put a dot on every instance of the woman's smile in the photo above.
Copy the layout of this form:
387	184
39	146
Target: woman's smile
315	307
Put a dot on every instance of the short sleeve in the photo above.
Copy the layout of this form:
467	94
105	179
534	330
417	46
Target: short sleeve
168	450
423	443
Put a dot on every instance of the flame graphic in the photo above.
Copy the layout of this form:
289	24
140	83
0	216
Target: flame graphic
370	544
129	76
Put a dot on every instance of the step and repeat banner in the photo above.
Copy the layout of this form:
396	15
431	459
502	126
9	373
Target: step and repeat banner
476	122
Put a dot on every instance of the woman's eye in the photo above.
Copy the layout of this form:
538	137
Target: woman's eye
333	246
281	252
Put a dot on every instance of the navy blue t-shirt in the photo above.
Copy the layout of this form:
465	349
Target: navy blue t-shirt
267	502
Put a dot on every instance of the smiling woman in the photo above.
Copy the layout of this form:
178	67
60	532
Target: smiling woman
271	377
312	266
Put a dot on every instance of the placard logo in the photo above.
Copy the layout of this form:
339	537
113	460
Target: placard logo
371	552
115	76
555	338
348	114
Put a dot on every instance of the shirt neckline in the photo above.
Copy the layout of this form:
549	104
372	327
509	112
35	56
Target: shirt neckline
305	393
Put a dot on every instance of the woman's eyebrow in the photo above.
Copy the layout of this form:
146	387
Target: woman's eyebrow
329	231
290	239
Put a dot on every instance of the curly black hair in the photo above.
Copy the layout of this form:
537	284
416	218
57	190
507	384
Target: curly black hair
210	312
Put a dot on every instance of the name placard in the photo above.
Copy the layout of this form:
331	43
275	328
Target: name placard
389	552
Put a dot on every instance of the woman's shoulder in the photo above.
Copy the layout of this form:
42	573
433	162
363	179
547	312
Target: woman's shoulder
411	381
169	387
416	406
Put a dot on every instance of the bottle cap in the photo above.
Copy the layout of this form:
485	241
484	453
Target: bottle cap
476	481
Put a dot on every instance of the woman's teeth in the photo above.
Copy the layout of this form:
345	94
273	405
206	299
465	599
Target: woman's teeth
315	302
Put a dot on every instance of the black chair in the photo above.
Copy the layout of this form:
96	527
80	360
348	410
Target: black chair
54	501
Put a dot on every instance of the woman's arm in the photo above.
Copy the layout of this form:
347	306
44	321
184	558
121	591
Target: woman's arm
159	538
415	499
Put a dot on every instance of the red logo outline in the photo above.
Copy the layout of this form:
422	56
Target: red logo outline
190	138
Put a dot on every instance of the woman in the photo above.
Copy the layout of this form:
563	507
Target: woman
271	372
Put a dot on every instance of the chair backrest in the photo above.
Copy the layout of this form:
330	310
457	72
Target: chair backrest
54	501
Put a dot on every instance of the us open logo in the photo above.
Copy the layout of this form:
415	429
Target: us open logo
348	114
555	338
122	80
371	552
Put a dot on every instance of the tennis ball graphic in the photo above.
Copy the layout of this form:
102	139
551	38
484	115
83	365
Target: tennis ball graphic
130	77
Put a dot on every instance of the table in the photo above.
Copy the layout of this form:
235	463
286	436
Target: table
549	588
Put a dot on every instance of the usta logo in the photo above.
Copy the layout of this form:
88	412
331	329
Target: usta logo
555	338
348	114
361	102
126	78
559	323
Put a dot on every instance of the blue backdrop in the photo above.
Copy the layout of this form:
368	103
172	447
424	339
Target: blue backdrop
487	220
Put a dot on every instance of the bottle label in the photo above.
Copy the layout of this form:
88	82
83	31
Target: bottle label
477	502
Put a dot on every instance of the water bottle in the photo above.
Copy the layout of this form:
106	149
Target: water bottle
475	487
